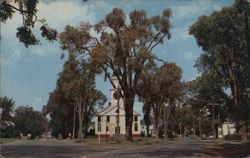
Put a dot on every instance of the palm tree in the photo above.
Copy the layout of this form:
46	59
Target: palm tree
6	106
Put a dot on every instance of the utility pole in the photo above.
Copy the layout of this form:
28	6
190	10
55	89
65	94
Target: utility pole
106	131
117	96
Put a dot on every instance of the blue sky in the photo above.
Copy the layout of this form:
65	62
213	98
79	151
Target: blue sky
29	74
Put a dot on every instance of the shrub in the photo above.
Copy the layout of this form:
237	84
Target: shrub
235	136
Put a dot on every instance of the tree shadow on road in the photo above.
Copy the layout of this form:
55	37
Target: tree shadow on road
41	151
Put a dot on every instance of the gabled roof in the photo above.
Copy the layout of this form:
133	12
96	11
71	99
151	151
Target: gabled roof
112	110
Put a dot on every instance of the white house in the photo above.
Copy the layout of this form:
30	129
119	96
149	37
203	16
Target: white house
106	119
227	128
151	129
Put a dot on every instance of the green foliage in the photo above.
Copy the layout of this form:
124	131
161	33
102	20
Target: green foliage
6	11
157	86
123	49
222	36
235	136
7	106
28	10
9	132
29	121
26	36
75	88
7	123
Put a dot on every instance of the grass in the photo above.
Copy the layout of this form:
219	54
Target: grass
238	149
8	140
123	141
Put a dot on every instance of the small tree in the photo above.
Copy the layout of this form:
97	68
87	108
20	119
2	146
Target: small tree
158	86
76	85
29	121
209	96
6	119
7	106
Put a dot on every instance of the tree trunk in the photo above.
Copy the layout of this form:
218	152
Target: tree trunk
243	135
147	129
213	123
129	105
74	123
180	129
216	131
165	123
156	127
80	122
233	83
247	35
156	114
200	127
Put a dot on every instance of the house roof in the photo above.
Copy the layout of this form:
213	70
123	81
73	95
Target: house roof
112	110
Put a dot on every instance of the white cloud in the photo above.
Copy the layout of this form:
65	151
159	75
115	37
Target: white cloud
189	55
195	77
192	8
180	34
38	102
46	49
12	59
58	14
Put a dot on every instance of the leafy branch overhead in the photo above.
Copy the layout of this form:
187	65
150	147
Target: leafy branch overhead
28	11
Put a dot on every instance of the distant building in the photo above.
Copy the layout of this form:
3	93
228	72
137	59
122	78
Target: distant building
106	119
151	129
227	128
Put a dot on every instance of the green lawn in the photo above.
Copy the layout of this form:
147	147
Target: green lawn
238	149
136	141
8	140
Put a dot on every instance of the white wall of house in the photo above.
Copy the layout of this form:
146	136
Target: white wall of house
228	128
107	117
108	127
151	130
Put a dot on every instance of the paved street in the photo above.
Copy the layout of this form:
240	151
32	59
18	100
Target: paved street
46	149
180	149
66	149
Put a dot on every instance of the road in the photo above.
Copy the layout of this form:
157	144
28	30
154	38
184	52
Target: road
45	148
173	149
66	149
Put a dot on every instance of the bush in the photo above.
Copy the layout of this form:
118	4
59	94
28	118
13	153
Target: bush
142	134
91	132
248	137
235	136
9	132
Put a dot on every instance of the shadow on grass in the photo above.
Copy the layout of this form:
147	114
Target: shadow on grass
238	150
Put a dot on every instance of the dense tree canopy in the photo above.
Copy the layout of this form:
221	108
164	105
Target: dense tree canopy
75	92
222	36
29	121
157	87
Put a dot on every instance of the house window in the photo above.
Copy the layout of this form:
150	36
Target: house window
99	127
108	118
136	118
136	127
107	128
99	118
